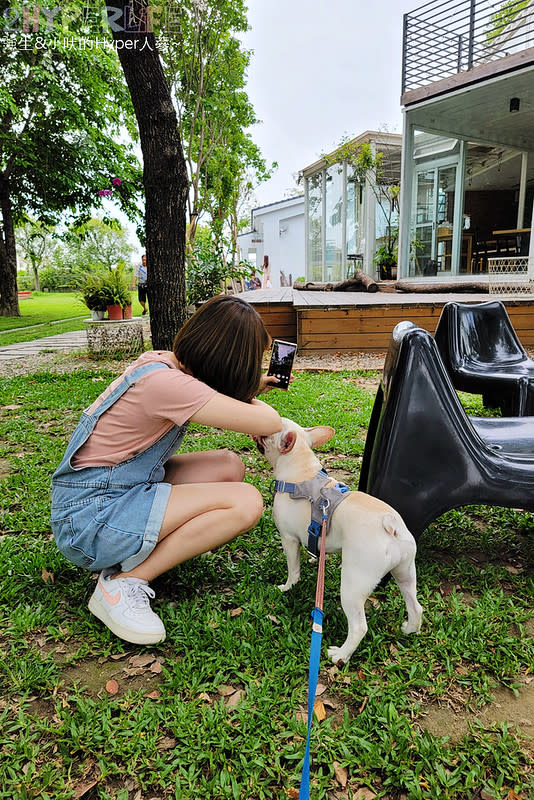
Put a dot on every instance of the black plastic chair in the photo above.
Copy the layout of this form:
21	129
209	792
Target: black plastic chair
423	455
483	355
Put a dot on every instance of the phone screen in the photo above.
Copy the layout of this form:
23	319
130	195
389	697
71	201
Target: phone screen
281	364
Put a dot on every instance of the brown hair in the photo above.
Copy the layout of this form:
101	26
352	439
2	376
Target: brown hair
222	344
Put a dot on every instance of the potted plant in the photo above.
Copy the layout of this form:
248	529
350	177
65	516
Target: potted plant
115	290
386	260
92	294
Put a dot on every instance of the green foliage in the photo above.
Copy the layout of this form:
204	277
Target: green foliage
37	242
85	248
64	113
504	16
94	292
114	289
97	243
209	271
63	276
207	67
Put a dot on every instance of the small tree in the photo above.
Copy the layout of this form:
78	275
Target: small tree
96	242
209	270
36	240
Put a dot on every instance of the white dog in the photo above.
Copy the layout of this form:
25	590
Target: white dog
370	534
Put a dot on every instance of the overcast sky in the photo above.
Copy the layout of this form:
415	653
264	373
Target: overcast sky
321	69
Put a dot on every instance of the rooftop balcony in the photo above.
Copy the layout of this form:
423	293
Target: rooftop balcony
445	38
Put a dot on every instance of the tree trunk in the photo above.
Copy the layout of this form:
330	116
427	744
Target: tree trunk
460	287
164	177
9	299
35	268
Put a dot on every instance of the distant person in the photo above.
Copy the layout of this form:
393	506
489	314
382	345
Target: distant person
266	280
254	282
140	277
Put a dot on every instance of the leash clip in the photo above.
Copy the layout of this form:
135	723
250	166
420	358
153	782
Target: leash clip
325	504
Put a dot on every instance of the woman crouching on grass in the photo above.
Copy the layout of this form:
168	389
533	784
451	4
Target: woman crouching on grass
123	504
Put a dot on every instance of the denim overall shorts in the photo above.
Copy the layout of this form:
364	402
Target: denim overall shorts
106	516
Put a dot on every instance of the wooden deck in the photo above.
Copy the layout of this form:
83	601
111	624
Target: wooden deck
347	322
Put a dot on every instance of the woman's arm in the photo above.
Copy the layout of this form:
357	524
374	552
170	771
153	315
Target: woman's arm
224	412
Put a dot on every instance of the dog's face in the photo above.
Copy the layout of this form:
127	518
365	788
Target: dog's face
291	437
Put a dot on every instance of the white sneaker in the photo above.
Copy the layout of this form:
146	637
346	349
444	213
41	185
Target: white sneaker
123	604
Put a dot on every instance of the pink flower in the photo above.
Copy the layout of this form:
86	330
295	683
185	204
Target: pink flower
116	181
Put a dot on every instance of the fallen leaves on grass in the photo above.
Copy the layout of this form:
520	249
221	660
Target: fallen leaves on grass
226	691
166	743
319	710
232	696
82	788
234	699
143	660
341	774
48	577
364	794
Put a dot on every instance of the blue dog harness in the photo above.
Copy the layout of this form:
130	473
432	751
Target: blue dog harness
321	497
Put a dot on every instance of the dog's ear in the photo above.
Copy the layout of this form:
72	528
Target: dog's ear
319	435
287	441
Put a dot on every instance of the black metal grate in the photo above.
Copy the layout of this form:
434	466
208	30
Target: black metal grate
443	38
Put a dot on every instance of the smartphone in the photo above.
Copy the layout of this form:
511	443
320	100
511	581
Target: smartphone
281	364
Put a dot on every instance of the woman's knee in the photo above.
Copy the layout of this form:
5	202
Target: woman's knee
232	468
250	506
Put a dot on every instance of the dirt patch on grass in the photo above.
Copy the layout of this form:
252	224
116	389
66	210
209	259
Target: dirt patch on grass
506	707
115	675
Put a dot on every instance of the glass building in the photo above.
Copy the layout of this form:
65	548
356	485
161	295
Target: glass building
349	217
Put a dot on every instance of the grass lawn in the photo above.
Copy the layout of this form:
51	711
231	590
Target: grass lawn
217	711
47	310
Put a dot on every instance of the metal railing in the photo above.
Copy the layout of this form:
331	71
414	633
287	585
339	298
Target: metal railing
443	38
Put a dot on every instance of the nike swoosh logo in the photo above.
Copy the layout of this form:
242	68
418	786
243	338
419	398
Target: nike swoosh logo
112	599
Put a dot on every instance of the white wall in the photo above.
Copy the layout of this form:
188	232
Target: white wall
279	227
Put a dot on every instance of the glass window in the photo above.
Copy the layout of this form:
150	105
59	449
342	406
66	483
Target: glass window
334	223
423	223
315	227
355	235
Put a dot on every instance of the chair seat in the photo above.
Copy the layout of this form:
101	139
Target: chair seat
483	355
423	455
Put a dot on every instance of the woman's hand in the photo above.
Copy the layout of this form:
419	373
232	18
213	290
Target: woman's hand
267	382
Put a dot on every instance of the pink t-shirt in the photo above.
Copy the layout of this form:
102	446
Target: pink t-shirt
144	413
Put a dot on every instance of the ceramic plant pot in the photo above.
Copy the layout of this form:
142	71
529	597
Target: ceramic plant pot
115	312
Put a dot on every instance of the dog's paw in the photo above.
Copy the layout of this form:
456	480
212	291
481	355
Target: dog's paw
285	587
338	655
408	627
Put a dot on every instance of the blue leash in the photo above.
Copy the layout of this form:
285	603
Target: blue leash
315	655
